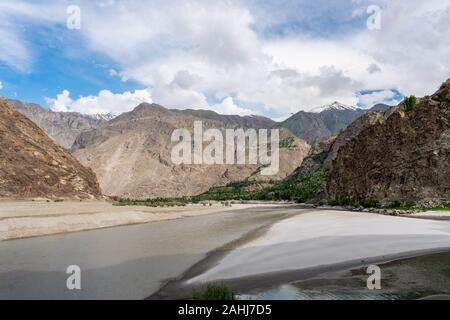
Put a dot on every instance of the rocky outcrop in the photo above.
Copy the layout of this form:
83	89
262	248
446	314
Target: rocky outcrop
63	127
33	165
131	155
363	122
404	158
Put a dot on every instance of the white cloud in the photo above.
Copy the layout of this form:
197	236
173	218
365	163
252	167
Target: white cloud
384	96
199	54
227	106
1	85
103	103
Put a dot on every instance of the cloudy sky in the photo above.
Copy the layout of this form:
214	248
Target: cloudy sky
270	57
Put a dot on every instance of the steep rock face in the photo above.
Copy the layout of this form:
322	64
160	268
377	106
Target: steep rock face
131	155
33	165
403	158
63	127
363	122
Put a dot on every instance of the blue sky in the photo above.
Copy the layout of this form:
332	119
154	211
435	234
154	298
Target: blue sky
60	61
244	57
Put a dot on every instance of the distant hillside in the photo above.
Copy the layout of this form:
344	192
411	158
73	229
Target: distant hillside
63	127
256	122
131	154
33	165
324	122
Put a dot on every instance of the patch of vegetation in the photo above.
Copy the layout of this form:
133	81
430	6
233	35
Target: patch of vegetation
232	191
156	202
446	83
442	207
345	201
214	292
320	158
410	103
295	189
288	143
407	206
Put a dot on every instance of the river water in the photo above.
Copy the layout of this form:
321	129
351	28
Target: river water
129	262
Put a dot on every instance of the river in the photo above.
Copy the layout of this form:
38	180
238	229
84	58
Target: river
129	262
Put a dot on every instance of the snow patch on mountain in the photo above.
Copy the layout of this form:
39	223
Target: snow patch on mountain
335	106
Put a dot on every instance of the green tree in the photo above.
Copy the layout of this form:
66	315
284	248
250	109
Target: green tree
410	103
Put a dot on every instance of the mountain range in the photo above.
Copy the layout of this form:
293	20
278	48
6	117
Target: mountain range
325	121
131	153
313	127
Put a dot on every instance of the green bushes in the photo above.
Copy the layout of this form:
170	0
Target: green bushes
157	202
446	83
410	103
214	292
288	143
402	206
293	189
366	203
320	158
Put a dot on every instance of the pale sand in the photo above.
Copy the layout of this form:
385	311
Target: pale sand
23	219
328	237
432	214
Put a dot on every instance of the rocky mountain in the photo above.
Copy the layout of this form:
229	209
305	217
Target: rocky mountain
313	172
63	127
322	123
404	158
131	154
33	165
353	130
256	122
335	106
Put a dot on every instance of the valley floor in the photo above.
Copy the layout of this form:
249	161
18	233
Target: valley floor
167	258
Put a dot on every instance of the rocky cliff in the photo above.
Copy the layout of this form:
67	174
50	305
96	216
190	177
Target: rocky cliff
404	158
33	165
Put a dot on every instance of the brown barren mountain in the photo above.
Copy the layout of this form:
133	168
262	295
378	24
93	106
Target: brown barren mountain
63	127
404	158
131	154
33	165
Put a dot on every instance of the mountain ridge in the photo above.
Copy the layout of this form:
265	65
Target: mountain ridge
33	165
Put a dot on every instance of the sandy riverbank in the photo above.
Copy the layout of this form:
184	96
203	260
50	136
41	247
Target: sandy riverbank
23	219
324	238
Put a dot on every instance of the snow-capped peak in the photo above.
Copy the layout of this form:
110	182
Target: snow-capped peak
334	106
103	117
